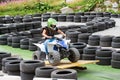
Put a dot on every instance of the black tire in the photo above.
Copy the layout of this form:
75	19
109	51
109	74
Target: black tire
116	39
26	76
115	64
64	74
116	55
103	60
16	45
39	55
54	58
105	44
29	66
44	71
106	38
8	59
32	48
13	66
78	45
74	55
90	50
4	69
115	45
104	52
93	42
4	54
88	57
3	42
84	36
13	73
26	47
94	37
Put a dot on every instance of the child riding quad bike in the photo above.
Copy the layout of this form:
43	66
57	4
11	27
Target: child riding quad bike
59	49
56	48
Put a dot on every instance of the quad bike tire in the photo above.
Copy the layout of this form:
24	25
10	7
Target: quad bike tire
74	55
39	55
54	58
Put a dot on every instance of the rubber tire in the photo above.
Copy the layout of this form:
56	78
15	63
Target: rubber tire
4	54
103	60
56	58
115	64
78	45
39	55
116	55
17	73
105	44
88	57
13	66
26	76
8	59
29	66
64	74
90	50
104	52
115	45
44	72
74	55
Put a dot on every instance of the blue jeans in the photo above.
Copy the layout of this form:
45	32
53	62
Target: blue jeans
46	44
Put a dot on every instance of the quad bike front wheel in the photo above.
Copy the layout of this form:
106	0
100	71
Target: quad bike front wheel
54	58
74	55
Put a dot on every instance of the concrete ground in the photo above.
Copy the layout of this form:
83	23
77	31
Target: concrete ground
112	31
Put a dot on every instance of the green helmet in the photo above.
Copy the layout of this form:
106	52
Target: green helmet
51	21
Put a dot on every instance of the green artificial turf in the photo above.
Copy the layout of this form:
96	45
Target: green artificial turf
93	71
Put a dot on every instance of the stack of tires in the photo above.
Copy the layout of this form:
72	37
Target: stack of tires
36	32
105	41
94	40
27	68
55	16
45	17
69	18
80	46
77	19
62	18
28	26
104	56
8	59
116	42
36	24
115	62
24	43
32	47
72	35
18	19
8	19
89	53
20	27
13	67
16	41
27	18
3	39
3	55
12	27
83	19
4	30
83	37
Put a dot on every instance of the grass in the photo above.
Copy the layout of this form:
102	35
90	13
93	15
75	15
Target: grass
93	72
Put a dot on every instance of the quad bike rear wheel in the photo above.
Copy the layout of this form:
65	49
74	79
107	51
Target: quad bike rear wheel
74	55
54	58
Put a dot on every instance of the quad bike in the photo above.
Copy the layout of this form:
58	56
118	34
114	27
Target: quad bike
58	49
